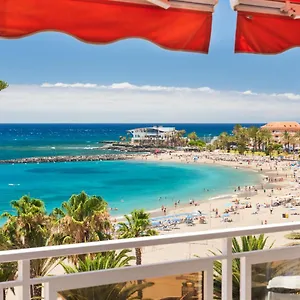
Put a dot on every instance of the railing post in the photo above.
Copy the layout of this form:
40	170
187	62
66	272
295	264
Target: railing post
49	293
209	283
245	278
227	270
24	276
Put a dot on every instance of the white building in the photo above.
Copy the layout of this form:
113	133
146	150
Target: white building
152	133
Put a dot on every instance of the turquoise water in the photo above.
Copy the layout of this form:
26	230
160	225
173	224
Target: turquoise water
123	184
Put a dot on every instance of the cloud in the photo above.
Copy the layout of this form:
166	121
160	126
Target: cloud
66	85
249	93
290	96
126	102
128	86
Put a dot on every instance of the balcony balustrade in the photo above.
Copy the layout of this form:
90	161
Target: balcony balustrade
52	285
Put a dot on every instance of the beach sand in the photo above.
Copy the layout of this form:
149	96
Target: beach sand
282	183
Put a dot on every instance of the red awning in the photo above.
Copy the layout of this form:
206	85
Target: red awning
183	26
267	26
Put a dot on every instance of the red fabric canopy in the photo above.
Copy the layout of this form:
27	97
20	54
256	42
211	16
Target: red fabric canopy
266	34
105	21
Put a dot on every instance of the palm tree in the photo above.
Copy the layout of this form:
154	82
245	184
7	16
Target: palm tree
30	227
286	140
236	129
265	138
293	142
8	271
180	140
108	260
193	136
225	141
297	137
241	138
246	243
138	224
81	219
253	133
3	85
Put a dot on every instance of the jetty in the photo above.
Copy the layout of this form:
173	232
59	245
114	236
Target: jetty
66	158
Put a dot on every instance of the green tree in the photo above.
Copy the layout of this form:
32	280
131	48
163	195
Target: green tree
3	85
198	143
225	141
253	134
264	138
81	219
236	129
241	138
193	136
286	140
28	227
245	244
297	137
138	224
180	140
101	261
8	271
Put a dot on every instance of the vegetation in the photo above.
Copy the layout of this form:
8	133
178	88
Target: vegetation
3	85
138	224
245	244
293	236
29	227
82	218
243	139
101	261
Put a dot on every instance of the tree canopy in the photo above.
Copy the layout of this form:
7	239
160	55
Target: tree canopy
3	85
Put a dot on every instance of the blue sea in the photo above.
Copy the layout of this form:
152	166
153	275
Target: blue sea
123	184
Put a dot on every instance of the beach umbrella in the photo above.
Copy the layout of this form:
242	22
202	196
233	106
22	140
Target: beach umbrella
266	26
172	24
226	215
195	215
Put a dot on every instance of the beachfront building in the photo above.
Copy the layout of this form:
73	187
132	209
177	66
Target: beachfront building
152	134
280	129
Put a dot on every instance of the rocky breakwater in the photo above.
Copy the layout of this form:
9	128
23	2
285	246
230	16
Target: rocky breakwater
130	148
57	159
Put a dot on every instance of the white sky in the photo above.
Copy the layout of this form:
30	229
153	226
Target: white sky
124	102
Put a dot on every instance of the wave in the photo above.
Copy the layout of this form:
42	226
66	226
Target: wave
90	148
225	196
45	148
14	184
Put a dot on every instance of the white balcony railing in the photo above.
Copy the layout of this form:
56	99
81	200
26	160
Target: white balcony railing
54	284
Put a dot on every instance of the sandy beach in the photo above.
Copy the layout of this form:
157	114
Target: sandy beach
277	195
